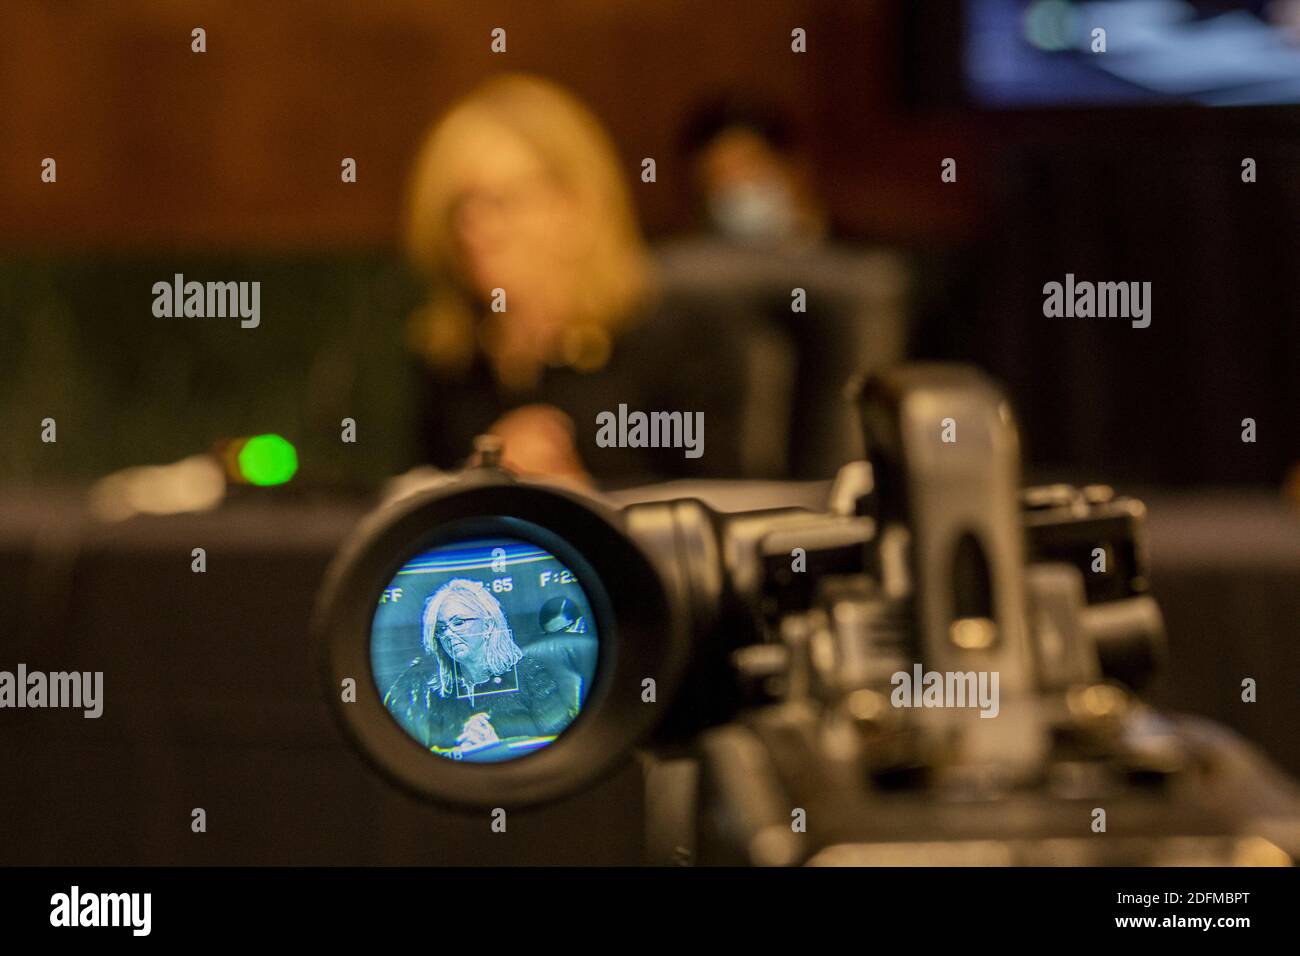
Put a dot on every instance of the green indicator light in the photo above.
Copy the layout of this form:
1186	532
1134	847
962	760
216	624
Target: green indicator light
267	460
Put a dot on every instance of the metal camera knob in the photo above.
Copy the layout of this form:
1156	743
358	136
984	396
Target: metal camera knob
488	450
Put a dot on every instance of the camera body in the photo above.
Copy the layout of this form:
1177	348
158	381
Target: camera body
935	667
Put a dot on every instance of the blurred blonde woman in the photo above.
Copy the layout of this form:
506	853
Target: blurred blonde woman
542	309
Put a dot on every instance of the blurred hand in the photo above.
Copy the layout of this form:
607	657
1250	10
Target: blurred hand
538	441
477	732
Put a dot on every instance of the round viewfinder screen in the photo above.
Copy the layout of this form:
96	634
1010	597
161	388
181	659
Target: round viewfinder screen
484	649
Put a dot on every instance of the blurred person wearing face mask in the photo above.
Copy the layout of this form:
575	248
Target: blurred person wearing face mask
543	311
764	233
753	188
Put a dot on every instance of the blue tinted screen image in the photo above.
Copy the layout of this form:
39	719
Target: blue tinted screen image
484	649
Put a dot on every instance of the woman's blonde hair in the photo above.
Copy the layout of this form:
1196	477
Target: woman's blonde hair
574	149
500	651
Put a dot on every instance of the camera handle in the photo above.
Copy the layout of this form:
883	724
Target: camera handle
945	455
943	487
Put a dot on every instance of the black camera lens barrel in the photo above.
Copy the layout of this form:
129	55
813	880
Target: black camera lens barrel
643	635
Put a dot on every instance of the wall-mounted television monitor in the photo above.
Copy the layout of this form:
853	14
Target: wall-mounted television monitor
1056	53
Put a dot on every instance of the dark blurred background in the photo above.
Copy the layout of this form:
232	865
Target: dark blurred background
227	165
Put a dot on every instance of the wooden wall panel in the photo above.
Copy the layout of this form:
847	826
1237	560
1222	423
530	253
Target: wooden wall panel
241	146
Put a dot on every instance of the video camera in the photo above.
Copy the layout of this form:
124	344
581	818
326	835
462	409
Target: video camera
936	667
